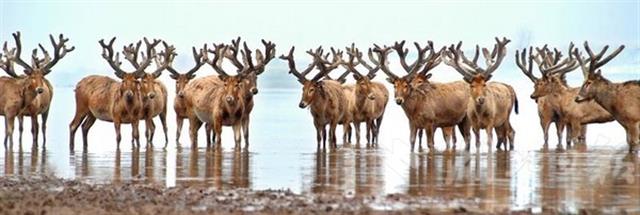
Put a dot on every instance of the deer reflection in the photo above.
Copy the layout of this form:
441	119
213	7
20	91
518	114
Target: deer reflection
453	176
8	162
149	170
342	172
215	168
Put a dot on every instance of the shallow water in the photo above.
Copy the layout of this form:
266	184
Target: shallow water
283	155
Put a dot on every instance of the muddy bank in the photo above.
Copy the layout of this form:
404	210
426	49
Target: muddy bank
50	195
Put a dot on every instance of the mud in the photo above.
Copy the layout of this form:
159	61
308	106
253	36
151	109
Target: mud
50	195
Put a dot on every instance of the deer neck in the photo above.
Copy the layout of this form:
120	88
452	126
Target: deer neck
606	96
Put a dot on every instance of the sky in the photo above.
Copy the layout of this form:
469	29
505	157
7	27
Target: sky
308	24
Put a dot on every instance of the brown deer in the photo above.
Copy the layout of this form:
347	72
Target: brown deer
430	105
37	72
101	97
371	97
154	93
182	79
16	92
448	133
491	102
552	87
325	98
622	100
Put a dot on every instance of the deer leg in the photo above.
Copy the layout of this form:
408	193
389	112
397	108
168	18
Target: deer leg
560	126
369	131
420	131
179	123
633	135
116	124
194	125
163	120
245	131
81	113
35	128
324	136
45	117
430	130
149	127
489	132
9	122
446	135
332	132
217	129
346	130
465	129
569	133
378	124
412	136
357	127
576	131
208	130
86	125
136	132
318	135
583	134
544	124
476	132
20	128
237	134
511	135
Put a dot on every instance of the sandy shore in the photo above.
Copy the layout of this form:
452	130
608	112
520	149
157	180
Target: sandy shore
51	195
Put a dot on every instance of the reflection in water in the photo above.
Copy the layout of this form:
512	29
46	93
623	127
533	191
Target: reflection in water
347	171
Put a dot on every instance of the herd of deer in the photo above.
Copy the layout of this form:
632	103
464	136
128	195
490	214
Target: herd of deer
226	99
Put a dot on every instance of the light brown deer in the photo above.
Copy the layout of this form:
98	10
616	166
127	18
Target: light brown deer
431	105
182	79
154	93
491	102
448	133
560	97
16	92
371	97
37	72
101	97
325	98
622	100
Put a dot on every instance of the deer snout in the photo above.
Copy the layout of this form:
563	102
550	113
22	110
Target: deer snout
229	99
302	105
39	90
181	94
254	91
399	101
481	100
151	95
533	96
128	95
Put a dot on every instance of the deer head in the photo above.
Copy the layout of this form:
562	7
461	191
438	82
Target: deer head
404	86
363	81
311	88
550	64
233	84
474	75
39	66
593	80
250	69
182	79
148	80
129	88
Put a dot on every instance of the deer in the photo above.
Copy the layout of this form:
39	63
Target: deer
182	79
325	99
552	87
37	72
430	105
101	97
621	100
16	92
371	97
448	133
490	104
154	93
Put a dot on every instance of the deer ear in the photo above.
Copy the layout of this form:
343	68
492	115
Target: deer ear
357	77
428	76
468	80
173	76
157	74
192	76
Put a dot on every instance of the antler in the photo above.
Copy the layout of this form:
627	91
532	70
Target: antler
382	60
263	60
526	67
354	53
594	61
59	51
131	54
111	58
6	64
292	66
167	59
219	53
15	57
468	69
402	54
433	59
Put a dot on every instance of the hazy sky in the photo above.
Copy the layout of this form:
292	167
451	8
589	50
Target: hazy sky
308	24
